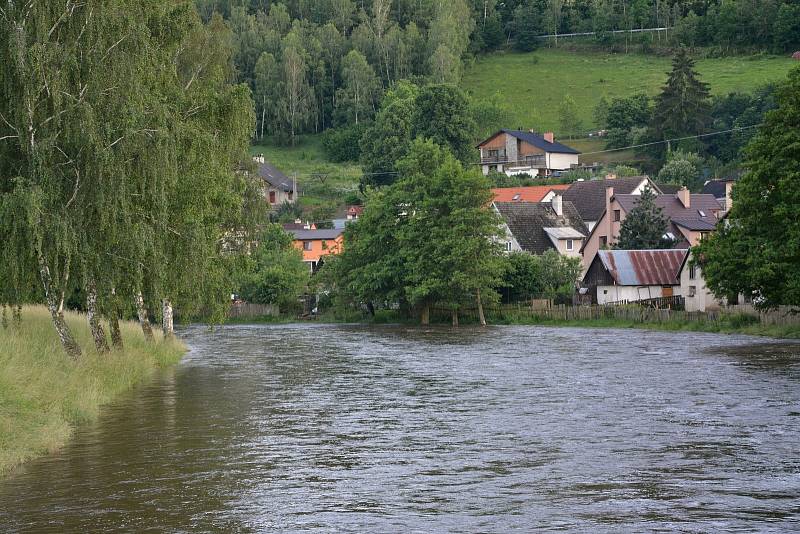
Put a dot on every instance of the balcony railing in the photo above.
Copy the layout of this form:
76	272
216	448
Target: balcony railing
525	161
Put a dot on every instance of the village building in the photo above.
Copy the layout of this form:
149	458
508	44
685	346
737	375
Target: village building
697	296
515	152
299	225
536	227
623	276
690	217
536	193
277	187
317	244
354	212
589	196
721	189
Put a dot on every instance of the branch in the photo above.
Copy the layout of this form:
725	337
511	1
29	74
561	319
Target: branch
75	191
9	137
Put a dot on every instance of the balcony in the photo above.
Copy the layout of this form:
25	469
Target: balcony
524	161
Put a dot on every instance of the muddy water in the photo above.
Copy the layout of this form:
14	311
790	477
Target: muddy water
344	429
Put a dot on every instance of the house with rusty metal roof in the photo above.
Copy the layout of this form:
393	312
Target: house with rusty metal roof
621	276
536	227
689	218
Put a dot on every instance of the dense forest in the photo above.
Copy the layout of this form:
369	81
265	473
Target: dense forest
317	64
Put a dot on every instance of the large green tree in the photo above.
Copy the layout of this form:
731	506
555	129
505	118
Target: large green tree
644	227
756	251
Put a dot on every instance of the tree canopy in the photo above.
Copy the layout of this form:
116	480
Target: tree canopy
644	227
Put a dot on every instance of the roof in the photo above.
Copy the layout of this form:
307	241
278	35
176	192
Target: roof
357	210
702	208
669	189
696	225
525	194
315	235
717	188
536	140
564	233
643	267
527	222
589	196
274	177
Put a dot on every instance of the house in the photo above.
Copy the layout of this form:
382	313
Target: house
299	225
616	276
517	152
277	188
589	196
537	193
693	288
354	212
316	244
536	227
689	218
721	189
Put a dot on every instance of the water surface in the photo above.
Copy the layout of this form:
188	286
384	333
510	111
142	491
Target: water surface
342	429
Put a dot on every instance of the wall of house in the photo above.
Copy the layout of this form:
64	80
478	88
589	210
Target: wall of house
561	247
606	294
606	226
280	196
703	299
561	162
511	147
319	248
527	149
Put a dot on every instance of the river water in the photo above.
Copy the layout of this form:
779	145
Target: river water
393	429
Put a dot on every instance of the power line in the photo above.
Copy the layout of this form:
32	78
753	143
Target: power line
671	140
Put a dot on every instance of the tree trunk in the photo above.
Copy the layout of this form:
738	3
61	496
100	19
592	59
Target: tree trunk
64	335
425	316
16	315
455	317
98	332
144	321
167	324
5	317
481	316
113	322
371	309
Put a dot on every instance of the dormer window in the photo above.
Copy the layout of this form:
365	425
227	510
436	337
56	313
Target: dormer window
570	245
702	213
516	197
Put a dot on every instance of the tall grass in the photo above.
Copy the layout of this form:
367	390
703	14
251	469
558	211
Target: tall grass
44	394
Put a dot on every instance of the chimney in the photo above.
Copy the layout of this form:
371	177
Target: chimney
609	219
558	205
685	197
549	137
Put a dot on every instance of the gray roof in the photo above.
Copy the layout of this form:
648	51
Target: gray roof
589	197
538	141
527	222
673	208
669	189
564	233
697	225
643	267
274	177
312	235
716	188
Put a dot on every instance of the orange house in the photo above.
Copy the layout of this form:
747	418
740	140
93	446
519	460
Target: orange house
316	244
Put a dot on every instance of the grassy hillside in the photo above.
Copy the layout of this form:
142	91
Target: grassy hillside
43	393
534	84
320	181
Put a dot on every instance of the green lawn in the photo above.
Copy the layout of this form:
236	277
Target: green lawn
534	84
320	181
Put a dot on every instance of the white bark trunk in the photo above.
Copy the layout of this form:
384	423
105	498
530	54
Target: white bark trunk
64	334
96	327
144	320
167	323
481	316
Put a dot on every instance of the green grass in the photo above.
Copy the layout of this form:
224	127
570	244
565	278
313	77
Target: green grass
44	394
534	84
319	180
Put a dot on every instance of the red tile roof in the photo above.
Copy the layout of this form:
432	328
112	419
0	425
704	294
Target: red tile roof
526	194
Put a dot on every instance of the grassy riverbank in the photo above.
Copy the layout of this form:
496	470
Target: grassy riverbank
44	394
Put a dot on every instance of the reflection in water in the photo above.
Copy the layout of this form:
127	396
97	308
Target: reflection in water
322	428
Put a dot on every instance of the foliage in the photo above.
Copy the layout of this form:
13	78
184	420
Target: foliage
757	251
683	168
568	116
547	276
344	144
275	271
528	25
644	228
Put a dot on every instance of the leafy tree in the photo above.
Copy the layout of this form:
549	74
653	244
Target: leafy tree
568	116
360	87
443	115
275	272
787	28
529	24
756	252
683	107
644	227
558	276
682	168
489	114
600	113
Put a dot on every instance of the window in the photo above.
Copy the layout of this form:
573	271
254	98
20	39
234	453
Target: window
494	154
570	244
324	245
516	197
702	213
617	215
603	241
272	197
692	272
307	245
703	235
509	246
692	291
291	195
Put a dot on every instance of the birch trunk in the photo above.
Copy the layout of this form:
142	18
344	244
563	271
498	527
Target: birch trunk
166	319
481	316
425	317
64	335
144	321
98	332
455	317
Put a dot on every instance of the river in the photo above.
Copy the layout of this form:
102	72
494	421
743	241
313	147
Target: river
320	428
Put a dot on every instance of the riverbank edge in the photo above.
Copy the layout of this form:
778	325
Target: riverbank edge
731	324
45	396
